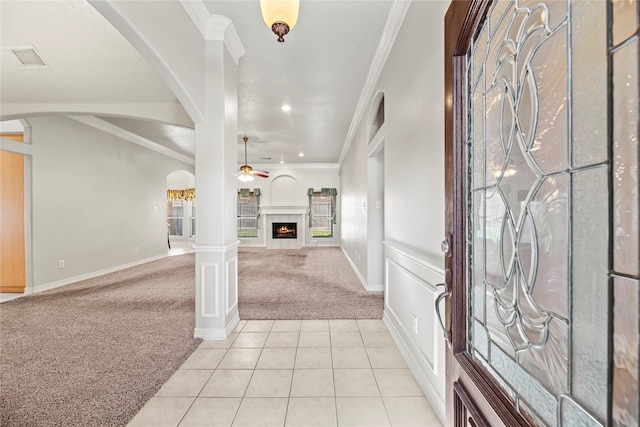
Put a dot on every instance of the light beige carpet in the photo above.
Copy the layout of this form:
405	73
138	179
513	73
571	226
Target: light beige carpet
307	283
93	352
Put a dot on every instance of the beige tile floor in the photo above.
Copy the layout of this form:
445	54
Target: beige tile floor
293	373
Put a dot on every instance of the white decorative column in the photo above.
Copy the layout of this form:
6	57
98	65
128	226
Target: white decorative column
216	247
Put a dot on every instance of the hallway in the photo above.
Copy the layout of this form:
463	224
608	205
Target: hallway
293	373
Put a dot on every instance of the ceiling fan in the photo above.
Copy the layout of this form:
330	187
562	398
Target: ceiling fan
246	172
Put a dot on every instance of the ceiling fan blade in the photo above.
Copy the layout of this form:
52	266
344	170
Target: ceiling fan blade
260	174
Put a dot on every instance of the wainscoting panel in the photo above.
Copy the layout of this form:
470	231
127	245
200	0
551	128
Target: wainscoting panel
409	313
209	273
232	280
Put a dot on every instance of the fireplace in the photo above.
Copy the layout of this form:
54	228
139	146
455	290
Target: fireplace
284	230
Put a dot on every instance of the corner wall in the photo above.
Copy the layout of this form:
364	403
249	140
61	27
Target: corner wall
99	202
412	82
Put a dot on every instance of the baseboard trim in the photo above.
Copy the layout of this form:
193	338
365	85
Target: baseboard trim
74	279
408	352
217	334
355	270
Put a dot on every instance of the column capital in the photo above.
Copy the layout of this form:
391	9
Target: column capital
215	27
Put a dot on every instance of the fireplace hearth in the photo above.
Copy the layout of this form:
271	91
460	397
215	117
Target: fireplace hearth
284	230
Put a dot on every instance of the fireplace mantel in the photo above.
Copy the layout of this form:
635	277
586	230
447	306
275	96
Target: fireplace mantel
283	210
271	214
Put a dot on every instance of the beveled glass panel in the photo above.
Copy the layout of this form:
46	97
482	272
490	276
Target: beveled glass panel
498	14
516	180
573	415
499	131
531	413
625	352
549	213
625	15
501	56
477	150
494	218
479	59
549	149
478	255
589	82
481	339
590	290
530	390
548	363
625	151
520	124
555	11
495	328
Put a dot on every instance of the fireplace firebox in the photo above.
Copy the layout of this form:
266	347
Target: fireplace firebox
284	230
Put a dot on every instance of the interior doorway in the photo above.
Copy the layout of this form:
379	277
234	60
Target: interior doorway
181	212
375	220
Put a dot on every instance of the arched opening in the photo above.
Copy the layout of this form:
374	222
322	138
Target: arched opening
376	116
181	212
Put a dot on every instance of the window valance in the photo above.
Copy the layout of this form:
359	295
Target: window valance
187	195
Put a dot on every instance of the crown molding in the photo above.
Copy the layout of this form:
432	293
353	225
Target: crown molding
215	27
394	22
221	28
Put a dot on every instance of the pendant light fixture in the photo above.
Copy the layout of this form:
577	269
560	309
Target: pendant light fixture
280	15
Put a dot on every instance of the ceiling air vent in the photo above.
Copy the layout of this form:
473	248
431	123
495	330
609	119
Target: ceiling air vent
28	56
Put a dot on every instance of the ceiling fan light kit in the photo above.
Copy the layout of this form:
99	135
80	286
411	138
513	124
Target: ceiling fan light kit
246	172
280	15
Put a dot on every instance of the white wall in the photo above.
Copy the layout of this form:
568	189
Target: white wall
414	193
99	202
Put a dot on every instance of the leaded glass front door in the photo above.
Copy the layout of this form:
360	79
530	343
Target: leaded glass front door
542	208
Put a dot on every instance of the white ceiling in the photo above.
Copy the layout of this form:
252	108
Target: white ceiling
319	71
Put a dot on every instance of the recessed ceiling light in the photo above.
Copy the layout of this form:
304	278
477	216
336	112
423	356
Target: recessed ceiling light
301	154
281	161
286	107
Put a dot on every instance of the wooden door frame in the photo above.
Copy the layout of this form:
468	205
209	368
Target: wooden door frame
468	385
13	276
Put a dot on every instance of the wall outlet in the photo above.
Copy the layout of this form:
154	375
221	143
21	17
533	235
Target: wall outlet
414	323
135	249
60	263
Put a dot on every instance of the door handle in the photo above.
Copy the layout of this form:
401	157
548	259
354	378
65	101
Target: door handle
445	245
442	296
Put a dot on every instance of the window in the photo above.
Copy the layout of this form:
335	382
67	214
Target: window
248	212
322	211
175	211
193	219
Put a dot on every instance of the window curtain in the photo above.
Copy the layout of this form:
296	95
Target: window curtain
256	193
187	195
330	192
310	194
244	193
